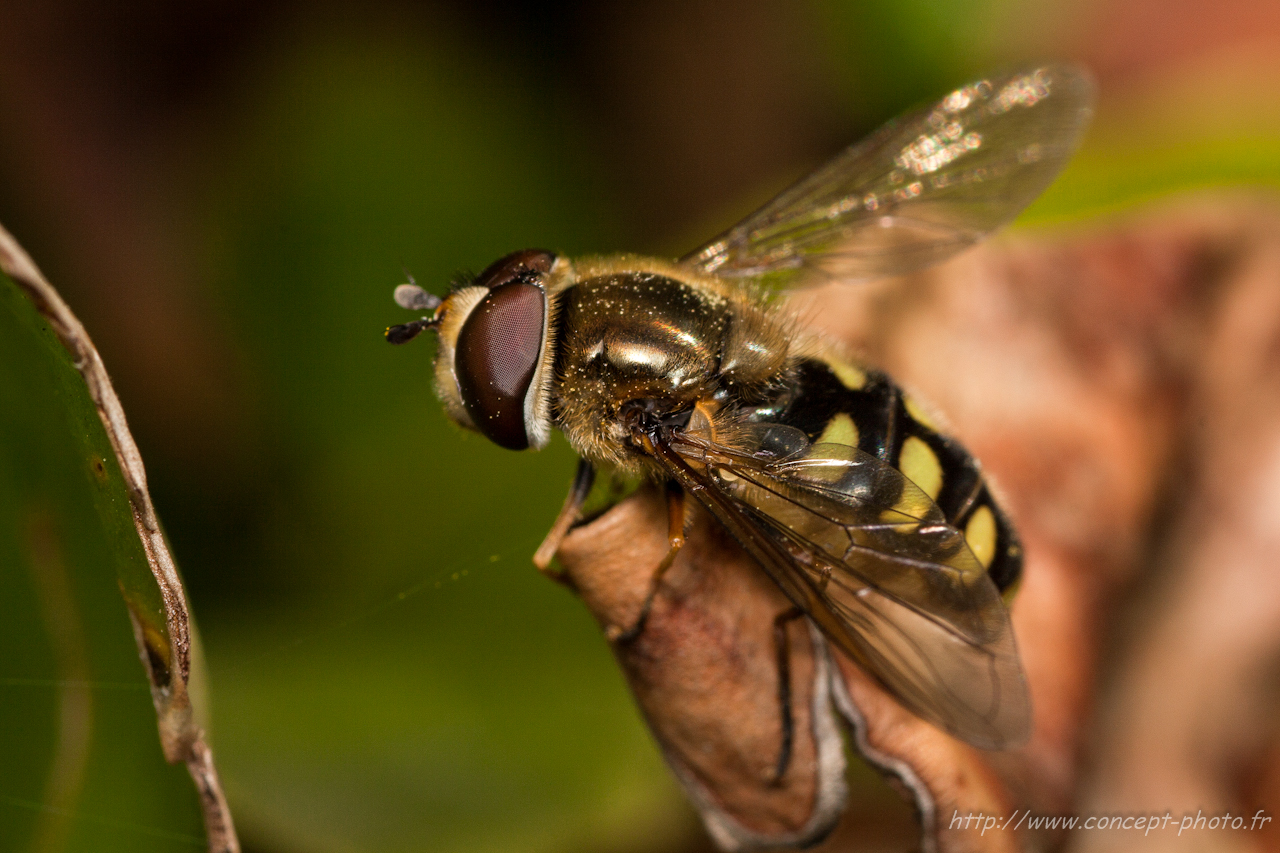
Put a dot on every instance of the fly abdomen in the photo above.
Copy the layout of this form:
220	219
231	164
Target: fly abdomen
841	403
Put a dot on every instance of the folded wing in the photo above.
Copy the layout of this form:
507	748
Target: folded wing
870	558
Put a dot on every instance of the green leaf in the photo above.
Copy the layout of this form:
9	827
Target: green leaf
85	769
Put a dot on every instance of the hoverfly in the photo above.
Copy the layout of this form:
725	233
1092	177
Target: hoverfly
877	527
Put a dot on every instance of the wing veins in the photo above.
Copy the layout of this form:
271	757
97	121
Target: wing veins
819	555
854	546
923	666
870	626
972	161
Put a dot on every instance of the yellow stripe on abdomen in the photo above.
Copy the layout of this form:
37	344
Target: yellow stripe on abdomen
980	533
920	465
850	375
918	412
840	430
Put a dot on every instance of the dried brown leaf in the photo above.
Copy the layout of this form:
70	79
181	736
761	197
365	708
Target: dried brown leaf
1120	383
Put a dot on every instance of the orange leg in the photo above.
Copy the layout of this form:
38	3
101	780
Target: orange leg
675	539
569	513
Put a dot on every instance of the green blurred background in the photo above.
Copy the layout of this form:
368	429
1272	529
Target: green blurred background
226	194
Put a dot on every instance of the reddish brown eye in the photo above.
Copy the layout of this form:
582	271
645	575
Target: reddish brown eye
497	354
525	264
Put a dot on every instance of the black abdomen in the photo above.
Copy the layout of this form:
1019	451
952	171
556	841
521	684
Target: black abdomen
851	405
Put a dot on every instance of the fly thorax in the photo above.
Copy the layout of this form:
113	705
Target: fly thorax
628	338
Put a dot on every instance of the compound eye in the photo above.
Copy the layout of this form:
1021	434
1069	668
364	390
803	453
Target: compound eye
526	265
497	354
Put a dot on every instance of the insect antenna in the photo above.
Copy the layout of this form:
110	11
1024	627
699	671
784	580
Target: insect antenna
413	298
406	332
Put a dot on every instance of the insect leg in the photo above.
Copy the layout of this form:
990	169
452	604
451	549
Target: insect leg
675	538
582	482
782	644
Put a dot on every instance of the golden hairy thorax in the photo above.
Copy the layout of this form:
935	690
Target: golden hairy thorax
637	329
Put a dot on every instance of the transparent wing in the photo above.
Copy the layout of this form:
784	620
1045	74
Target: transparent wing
921	188
870	558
